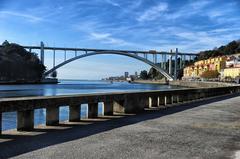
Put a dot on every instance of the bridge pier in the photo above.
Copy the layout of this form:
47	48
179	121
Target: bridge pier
74	112
92	110
42	52
25	120
52	115
170	64
176	64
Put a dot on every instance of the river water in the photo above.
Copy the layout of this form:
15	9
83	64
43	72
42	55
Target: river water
66	87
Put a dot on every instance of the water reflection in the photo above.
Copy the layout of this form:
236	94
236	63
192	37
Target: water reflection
67	87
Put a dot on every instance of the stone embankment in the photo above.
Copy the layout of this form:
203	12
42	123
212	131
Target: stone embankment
191	84
200	84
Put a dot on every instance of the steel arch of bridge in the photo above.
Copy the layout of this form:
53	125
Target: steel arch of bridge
162	71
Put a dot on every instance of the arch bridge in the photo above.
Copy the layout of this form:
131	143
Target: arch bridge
159	60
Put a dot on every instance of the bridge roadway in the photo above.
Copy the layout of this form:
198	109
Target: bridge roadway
207	128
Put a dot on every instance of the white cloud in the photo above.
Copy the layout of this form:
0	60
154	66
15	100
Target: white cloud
115	4
199	4
28	17
107	39
153	12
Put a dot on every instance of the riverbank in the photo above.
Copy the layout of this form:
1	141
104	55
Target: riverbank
190	84
150	82
201	84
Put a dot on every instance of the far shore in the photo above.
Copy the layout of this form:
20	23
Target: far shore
163	82
43	81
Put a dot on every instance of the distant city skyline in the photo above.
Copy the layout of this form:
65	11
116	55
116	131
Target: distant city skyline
189	25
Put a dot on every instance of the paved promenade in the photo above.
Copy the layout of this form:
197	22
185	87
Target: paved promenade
206	129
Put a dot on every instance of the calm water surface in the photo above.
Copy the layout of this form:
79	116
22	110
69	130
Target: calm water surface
63	88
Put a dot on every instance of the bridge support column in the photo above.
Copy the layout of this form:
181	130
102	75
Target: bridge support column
108	108
170	64
52	115
92	110
25	120
184	60
42	52
74	112
181	62
176	64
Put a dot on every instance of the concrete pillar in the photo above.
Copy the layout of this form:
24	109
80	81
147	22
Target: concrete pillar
196	96
180	98
131	104
170	65
92	110
149	102
176	64
175	99
190	96
185	98
134	103
161	101
162	64
153	101
202	95
145	101
74	112
52	115
0	123
118	106
168	99
54	58
42	52
181	62
25	120
108	108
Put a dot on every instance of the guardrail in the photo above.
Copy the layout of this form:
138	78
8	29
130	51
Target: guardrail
130	102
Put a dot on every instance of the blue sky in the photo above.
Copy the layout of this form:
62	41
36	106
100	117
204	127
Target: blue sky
190	25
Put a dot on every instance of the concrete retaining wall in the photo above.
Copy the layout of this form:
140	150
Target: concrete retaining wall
199	84
131	102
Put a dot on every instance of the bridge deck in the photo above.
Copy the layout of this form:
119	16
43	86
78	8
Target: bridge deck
204	129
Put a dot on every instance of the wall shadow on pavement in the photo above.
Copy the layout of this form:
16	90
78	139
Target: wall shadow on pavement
19	144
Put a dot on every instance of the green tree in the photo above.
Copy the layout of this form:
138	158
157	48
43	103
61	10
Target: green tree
18	64
54	74
144	75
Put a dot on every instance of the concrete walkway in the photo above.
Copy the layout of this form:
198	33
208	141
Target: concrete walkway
206	129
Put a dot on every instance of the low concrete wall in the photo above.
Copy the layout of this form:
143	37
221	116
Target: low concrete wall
130	102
